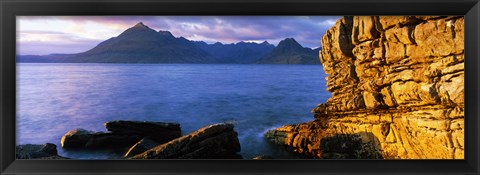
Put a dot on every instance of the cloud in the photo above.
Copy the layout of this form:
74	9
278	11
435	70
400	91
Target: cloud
36	42
86	31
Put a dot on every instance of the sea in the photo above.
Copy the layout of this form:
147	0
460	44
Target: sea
54	98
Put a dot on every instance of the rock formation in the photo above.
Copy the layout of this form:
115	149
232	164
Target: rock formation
31	151
217	141
141	146
397	86
121	134
81	138
158	140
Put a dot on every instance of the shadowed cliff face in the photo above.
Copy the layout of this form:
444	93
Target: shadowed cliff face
399	78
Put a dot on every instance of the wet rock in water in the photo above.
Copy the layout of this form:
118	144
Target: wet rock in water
33	151
217	141
76	138
81	138
159	131
262	157
141	146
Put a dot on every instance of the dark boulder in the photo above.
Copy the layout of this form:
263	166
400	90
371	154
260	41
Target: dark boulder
31	151
217	141
76	138
81	138
122	134
158	131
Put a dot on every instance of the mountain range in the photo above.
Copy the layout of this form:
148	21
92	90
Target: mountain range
141	44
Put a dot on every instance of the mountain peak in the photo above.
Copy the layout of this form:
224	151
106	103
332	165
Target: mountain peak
292	40
165	33
265	42
140	24
289	51
136	30
289	43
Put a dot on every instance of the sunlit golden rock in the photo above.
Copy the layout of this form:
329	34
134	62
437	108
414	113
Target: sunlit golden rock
397	88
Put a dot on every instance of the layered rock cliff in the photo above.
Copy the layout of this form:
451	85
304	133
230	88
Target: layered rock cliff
397	88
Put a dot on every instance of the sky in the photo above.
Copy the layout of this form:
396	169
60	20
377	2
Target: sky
43	35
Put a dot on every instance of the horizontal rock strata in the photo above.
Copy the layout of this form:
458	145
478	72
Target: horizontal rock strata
397	85
217	141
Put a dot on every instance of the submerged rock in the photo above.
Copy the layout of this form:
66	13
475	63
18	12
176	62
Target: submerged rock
31	151
81	138
158	131
217	141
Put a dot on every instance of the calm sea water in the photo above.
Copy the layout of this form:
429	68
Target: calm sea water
55	98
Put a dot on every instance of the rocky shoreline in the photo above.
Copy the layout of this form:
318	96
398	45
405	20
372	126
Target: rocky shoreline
145	140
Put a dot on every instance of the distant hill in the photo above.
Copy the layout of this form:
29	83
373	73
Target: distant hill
141	44
289	51
32	59
239	53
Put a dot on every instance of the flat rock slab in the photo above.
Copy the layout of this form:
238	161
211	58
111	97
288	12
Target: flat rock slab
217	141
34	151
159	131
81	138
